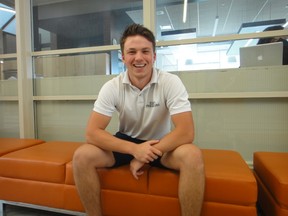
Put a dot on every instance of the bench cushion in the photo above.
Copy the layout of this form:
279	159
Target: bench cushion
45	162
8	145
228	179
272	169
119	179
45	170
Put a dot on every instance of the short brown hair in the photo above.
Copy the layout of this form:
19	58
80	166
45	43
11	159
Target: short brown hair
137	29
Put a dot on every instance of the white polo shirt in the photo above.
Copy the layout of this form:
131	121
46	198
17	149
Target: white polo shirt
143	114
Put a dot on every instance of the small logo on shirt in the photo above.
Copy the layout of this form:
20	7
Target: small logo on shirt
152	104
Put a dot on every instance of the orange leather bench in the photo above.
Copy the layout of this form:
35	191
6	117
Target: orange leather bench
12	144
271	171
42	175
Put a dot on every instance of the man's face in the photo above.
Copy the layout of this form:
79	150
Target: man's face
138	56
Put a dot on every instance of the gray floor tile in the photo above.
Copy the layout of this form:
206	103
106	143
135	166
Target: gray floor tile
22	211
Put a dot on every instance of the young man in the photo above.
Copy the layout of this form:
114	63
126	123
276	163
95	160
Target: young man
146	100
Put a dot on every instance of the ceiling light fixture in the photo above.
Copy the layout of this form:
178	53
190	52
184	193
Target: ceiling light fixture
159	13
165	27
285	25
248	42
215	25
179	34
216	20
185	11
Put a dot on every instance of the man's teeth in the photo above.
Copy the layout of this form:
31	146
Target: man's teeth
139	65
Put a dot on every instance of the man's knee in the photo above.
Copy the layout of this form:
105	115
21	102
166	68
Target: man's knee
191	156
186	156
89	155
82	155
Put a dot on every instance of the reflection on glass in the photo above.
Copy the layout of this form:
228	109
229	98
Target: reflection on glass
7	27
252	27
74	24
205	18
72	65
212	18
8	69
196	57
6	13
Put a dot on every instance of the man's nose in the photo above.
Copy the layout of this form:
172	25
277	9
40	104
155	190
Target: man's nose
138	55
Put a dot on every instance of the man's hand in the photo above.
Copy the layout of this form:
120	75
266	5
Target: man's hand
145	152
135	168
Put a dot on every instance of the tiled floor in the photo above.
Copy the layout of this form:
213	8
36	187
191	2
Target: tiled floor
22	211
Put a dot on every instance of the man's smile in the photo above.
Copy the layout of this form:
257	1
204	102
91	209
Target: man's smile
139	65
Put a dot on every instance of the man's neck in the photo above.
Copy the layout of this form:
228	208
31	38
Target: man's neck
140	83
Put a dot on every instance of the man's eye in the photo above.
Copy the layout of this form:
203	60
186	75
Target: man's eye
146	51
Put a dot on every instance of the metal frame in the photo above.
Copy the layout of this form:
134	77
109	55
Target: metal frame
26	205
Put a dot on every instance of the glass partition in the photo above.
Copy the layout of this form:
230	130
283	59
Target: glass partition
71	24
220	55
72	65
202	18
9	119
85	23
74	74
196	57
9	113
8	69
7	27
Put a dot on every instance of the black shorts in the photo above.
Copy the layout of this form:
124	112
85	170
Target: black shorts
123	159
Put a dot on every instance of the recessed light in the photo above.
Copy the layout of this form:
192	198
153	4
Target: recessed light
166	27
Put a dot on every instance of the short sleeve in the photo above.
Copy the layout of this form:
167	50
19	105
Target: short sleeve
176	95
107	99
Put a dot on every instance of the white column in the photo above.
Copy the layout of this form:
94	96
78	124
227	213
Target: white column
24	68
149	11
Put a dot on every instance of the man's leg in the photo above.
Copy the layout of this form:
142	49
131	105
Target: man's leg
86	160
188	160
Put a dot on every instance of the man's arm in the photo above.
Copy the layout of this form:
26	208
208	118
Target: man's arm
183	132
97	135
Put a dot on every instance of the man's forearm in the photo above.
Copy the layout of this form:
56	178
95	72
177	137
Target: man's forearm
174	139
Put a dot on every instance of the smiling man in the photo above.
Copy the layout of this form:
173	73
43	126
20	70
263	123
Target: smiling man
147	100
